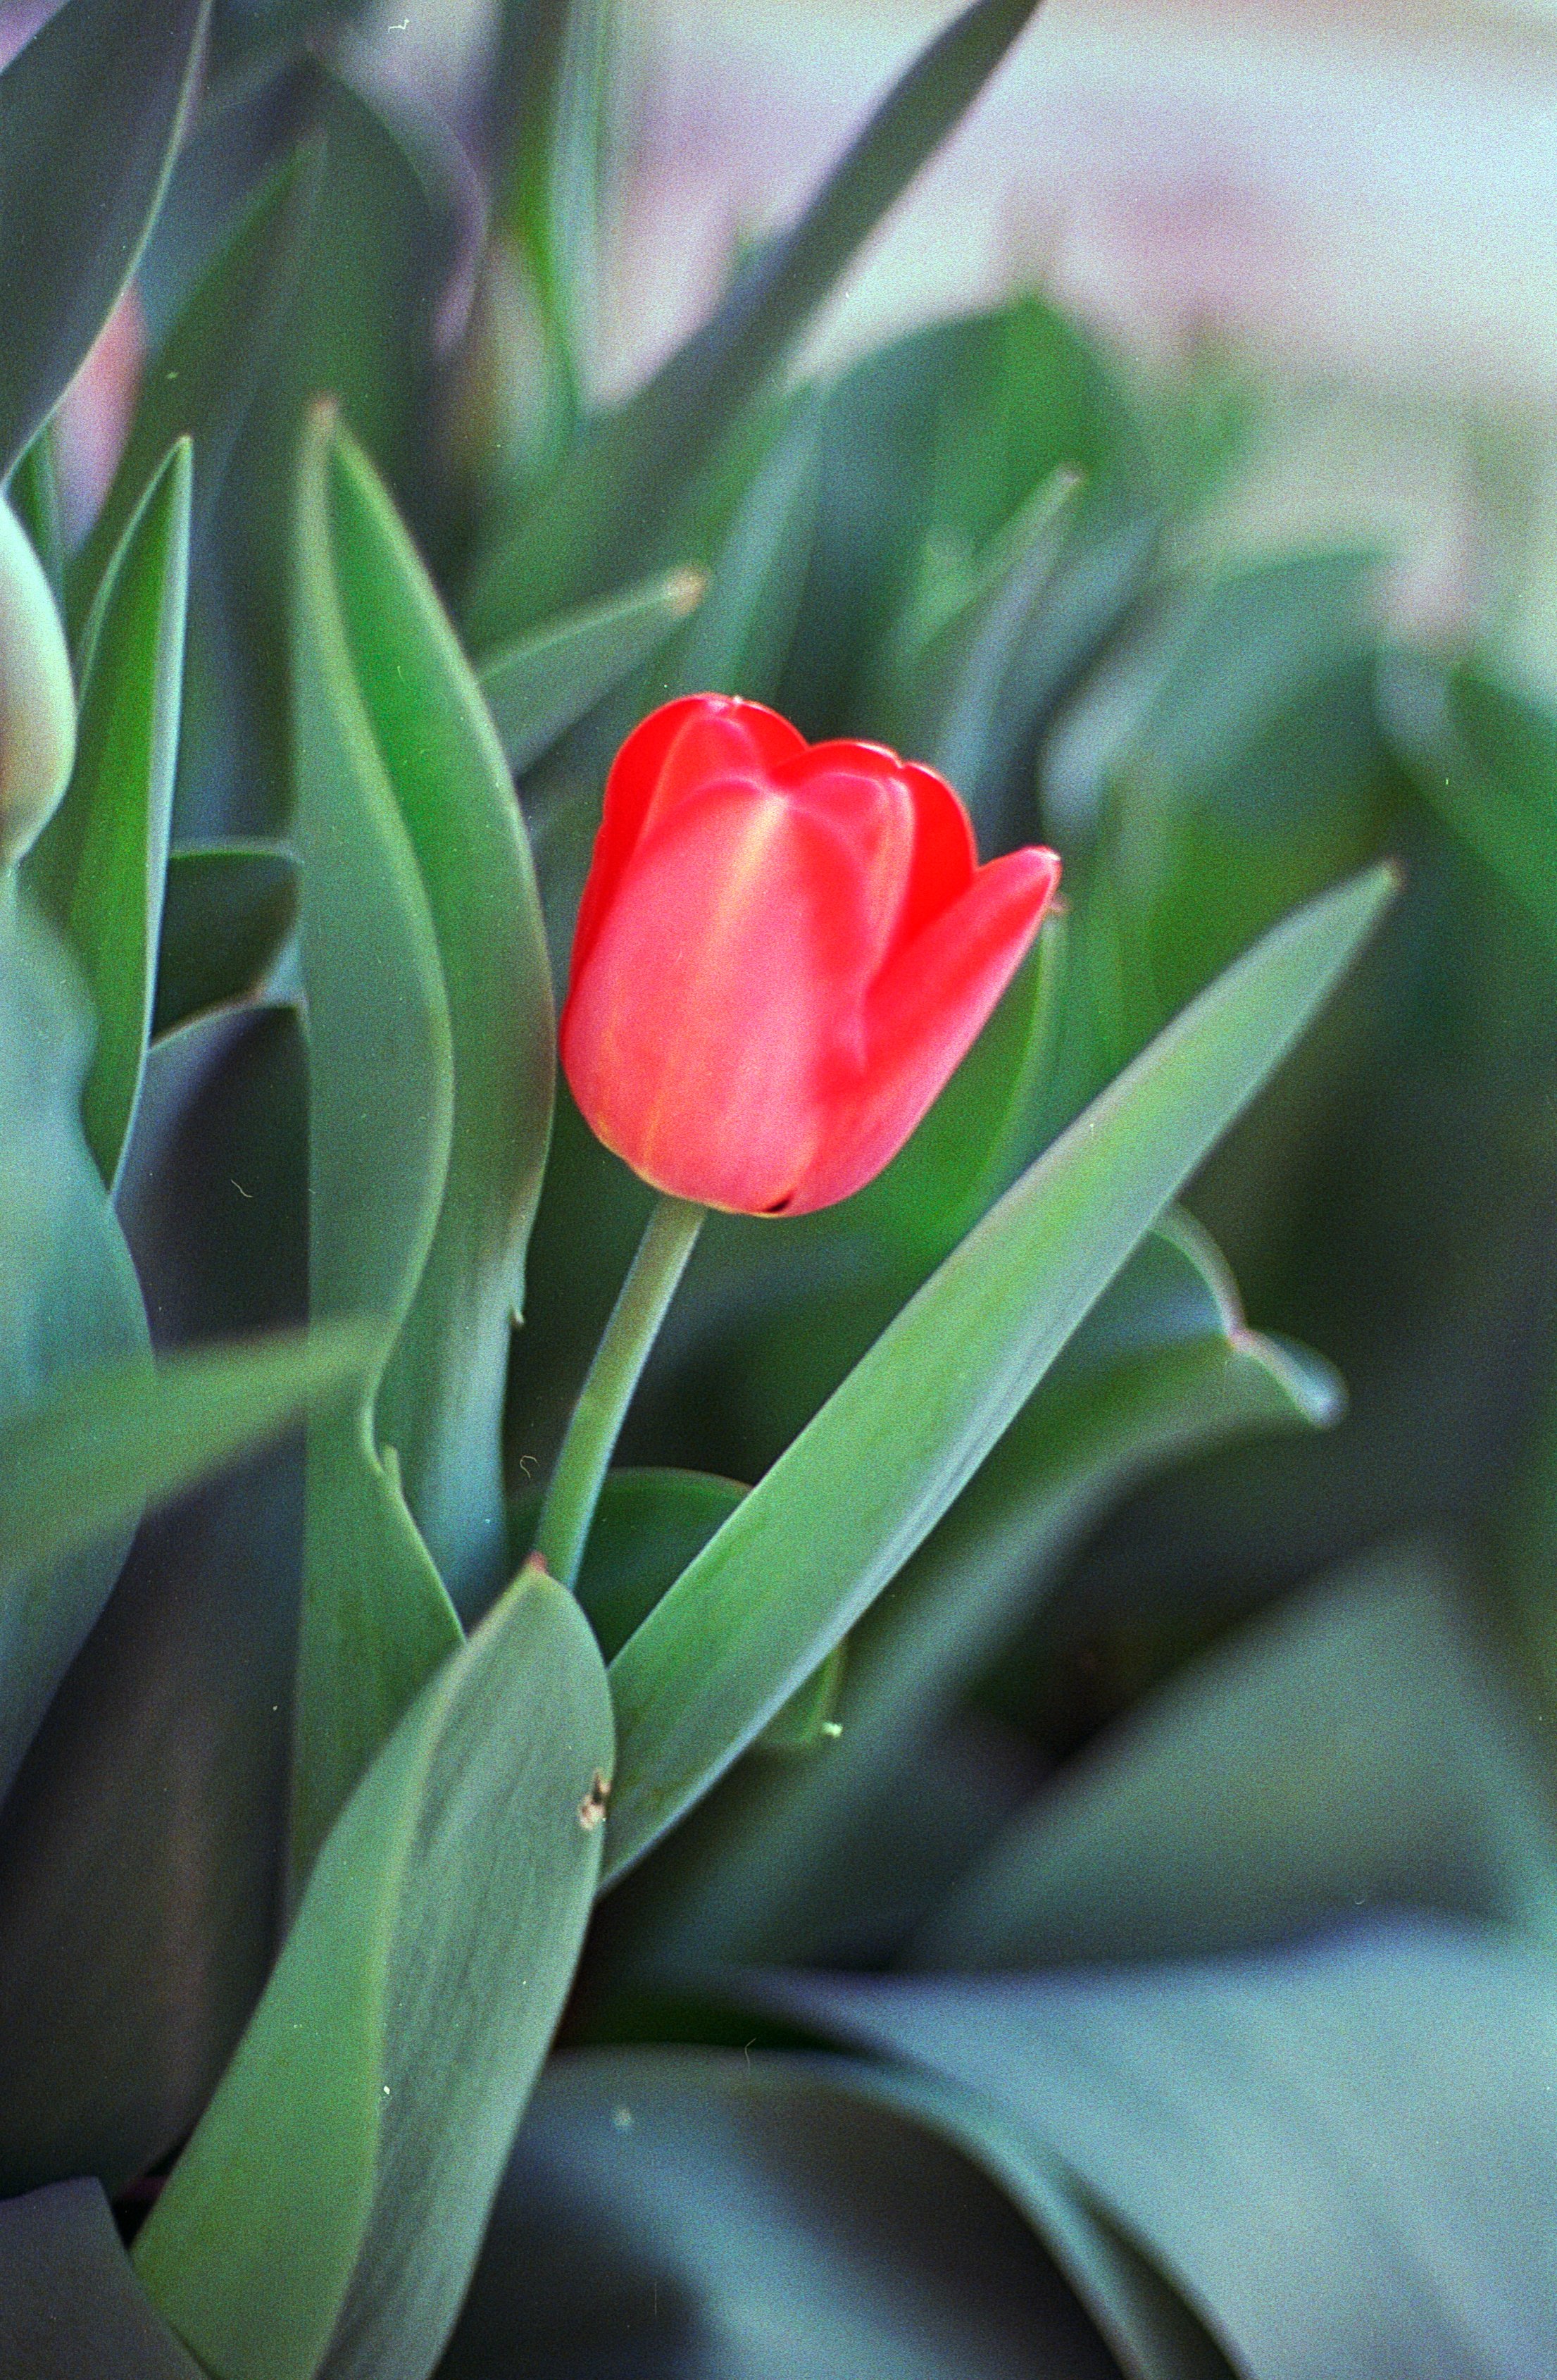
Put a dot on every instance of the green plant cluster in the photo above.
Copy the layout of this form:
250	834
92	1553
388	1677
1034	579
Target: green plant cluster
1047	1932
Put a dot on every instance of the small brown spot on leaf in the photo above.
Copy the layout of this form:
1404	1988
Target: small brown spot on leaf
592	1809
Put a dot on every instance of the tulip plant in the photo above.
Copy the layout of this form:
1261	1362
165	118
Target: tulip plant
576	1794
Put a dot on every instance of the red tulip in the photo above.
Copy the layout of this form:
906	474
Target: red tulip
782	952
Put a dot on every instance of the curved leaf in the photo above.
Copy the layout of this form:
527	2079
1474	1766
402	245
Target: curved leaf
704	2216
543	683
1342	2155
890	1450
228	910
72	1304
1353	1750
199	381
440	1401
141	1847
328	2211
71	2299
90	113
99	867
1164	1366
375	1618
626	468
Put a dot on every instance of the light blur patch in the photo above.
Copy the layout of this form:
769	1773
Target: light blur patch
94	418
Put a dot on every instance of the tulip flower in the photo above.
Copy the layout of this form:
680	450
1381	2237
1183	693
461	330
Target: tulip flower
783	951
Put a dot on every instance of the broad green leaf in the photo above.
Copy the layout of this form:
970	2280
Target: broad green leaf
738	642
1356	1750
72	2302
1485	756
83	1461
1164	1366
70	1303
228	910
201	380
361	327
888	1453
440	1401
544	683
101	865
696	2211
1217	659
1145	2320
90	113
647	1526
328	2211
626	469
377	1620
1342	2153
142	1845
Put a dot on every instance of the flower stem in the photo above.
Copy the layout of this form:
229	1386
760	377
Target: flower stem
608	1389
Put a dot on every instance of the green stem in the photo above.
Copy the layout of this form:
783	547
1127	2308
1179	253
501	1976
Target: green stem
608	1389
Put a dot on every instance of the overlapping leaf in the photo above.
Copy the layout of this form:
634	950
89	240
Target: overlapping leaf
889	1452
90	113
838	1854
627	467
99	867
326	2215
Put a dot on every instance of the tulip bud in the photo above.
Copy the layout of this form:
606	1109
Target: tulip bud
783	951
37	699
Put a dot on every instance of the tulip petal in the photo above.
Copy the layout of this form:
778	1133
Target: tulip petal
679	749
945	857
859	790
719	997
923	1015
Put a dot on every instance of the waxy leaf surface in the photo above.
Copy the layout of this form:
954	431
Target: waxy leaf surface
809	1549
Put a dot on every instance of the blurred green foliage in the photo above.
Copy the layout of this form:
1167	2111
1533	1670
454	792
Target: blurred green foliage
958	1567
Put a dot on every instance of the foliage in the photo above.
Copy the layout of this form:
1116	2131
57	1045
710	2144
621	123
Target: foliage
1045	1931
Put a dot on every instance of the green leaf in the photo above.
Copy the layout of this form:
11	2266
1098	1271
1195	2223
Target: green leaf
1354	1750
1485	756
626	469
1164	1366
72	2302
1343	2153
82	1462
360	326
964	676
199	383
548	98
377	1620
738	642
647	1526
754	2215
772	1594
90	113
328	2211
544	683
101	865
440	1401
228	911
71	1303
142	1847
1218	658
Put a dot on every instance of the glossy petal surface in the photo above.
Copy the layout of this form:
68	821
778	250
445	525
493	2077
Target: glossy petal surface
782	952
